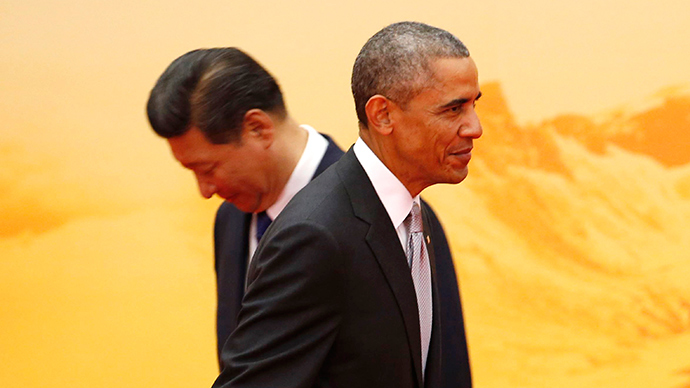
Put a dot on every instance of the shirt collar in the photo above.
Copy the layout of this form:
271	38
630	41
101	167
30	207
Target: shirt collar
303	172
393	195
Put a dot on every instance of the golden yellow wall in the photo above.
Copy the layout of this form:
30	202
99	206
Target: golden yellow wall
571	235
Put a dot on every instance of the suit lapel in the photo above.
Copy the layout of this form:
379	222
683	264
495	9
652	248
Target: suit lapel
240	243
236	240
385	245
232	245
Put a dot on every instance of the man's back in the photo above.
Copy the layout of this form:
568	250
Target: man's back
231	242
455	369
328	304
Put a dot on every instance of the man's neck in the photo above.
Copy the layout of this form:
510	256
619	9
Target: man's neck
290	142
391	162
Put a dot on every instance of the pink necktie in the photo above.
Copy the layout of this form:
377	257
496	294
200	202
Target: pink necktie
418	259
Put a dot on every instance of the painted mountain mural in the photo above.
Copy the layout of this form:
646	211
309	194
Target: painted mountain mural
572	241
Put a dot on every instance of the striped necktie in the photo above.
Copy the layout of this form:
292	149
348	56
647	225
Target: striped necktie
418	260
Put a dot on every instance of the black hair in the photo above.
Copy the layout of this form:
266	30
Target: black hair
212	90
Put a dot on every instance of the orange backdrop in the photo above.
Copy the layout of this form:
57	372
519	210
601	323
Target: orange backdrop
571	235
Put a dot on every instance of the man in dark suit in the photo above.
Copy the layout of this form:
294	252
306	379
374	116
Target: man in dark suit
225	119
344	289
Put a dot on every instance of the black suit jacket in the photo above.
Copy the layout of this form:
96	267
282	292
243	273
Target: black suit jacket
330	301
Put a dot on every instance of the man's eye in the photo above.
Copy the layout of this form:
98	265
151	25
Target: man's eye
455	109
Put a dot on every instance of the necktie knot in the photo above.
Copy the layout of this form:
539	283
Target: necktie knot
414	219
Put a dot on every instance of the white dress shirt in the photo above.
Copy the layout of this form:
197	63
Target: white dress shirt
392	193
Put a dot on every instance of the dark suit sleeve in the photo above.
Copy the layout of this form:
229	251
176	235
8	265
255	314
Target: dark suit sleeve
291	311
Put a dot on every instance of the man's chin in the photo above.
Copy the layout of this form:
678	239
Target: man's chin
230	199
246	206
457	175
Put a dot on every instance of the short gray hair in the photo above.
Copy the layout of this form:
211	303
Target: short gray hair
395	62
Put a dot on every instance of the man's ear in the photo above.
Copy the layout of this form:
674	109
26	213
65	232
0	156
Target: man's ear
258	125
378	110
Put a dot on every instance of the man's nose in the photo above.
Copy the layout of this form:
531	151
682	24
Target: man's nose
472	128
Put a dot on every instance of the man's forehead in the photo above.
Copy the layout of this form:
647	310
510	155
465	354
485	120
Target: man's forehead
442	69
190	147
451	78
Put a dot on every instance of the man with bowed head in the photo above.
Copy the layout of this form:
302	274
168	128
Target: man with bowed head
344	288
225	119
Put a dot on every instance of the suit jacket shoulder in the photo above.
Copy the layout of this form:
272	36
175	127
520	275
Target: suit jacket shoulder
231	243
330	301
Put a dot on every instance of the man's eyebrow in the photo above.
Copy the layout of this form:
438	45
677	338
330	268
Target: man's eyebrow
456	102
460	101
